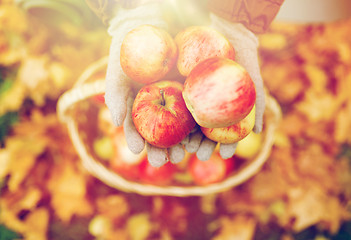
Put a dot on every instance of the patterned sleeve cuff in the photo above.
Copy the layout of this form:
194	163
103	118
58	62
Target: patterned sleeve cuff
256	15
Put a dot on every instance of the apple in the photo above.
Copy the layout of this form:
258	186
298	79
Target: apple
103	148
125	162
219	93
147	54
160	115
233	133
99	99
249	146
157	175
198	43
211	171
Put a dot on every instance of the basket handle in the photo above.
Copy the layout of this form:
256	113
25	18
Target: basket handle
82	89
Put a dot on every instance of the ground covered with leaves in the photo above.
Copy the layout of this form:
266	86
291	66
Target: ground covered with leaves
302	192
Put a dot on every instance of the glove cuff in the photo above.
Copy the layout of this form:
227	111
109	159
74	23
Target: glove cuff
104	9
126	19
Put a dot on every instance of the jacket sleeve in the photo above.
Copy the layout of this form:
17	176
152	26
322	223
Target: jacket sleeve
256	15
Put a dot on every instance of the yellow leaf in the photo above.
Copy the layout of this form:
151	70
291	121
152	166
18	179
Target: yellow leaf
310	205
139	226
12	206
273	41
37	223
31	198
13	98
208	204
18	174
19	157
239	227
59	74
99	226
4	163
344	51
117	202
317	77
34	72
68	192
12	18
318	107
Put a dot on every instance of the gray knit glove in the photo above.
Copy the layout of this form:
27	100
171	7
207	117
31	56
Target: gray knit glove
245	44
120	90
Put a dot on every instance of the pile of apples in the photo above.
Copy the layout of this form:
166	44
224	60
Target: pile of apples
111	148
187	80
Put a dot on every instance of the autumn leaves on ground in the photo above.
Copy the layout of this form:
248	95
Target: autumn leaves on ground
47	194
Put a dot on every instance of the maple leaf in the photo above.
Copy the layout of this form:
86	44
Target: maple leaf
238	227
68	189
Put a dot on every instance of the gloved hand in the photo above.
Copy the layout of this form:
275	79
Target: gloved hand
121	91
245	44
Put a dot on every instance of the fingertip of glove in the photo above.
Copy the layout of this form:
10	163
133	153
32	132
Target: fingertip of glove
227	150
194	142
117	106
135	142
203	155
118	113
157	157
258	125
206	149
136	147
257	129
176	154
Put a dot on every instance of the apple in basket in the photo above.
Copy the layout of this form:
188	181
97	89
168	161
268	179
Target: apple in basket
147	53
249	146
99	99
233	133
211	171
197	43
160	114
125	162
219	93
156	175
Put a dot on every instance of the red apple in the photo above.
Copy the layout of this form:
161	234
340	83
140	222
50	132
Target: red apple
233	133
125	162
99	99
198	43
211	171
160	114
157	175
219	93
147	54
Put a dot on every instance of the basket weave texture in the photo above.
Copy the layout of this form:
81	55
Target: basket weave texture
73	111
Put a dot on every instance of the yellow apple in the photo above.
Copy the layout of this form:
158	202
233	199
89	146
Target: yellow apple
249	146
233	133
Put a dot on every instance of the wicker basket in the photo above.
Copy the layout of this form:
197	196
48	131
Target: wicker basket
74	111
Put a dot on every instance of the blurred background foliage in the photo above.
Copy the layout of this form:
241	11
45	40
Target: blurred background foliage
302	193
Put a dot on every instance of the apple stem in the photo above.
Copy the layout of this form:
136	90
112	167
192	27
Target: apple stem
163	101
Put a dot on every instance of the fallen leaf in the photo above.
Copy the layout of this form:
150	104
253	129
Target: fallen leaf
238	227
68	189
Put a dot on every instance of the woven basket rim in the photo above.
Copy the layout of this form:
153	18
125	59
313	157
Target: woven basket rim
83	90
